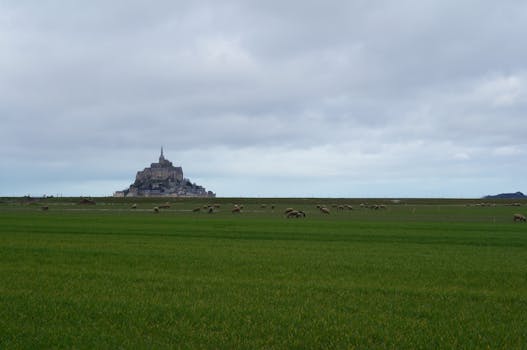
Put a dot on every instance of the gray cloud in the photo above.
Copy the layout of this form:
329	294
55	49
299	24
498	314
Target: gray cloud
332	97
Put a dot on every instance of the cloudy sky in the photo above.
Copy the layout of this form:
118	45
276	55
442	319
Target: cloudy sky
359	98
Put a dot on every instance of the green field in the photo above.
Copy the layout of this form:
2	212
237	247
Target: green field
420	274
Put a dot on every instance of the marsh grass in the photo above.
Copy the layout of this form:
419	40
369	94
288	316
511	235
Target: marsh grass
413	276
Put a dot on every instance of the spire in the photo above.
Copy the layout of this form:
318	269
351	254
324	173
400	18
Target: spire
161	157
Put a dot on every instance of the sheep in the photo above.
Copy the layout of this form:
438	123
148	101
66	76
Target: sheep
263	206
134	206
236	210
519	217
211	210
292	214
340	207
44	208
156	210
288	210
324	210
349	207
296	214
196	210
164	206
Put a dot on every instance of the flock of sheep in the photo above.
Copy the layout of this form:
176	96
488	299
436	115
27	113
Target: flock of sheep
296	213
288	212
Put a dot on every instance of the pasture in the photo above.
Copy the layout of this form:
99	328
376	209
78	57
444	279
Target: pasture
419	274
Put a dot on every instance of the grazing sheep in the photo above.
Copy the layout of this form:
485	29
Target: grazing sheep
236	209
156	210
211	210
272	206
519	217
288	210
134	206
340	207
164	206
296	214
196	210
217	206
324	210
349	207
44	208
292	214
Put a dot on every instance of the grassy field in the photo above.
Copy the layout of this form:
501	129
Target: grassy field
420	274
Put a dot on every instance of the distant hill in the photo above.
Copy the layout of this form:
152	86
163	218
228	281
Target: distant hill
516	195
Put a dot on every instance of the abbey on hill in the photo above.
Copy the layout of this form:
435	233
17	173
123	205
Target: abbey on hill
163	179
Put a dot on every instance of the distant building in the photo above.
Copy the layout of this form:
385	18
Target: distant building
163	179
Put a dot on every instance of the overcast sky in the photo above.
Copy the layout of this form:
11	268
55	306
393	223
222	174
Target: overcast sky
359	98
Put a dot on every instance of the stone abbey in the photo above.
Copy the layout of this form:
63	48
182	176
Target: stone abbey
163	179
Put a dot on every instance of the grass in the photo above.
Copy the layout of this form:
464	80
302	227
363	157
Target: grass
417	275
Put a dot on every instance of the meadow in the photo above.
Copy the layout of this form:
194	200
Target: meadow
420	274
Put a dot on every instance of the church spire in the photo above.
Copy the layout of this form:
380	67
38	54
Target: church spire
161	157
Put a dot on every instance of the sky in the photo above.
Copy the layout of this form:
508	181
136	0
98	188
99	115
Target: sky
333	98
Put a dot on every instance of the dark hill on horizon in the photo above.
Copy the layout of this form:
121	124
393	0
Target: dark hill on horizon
516	195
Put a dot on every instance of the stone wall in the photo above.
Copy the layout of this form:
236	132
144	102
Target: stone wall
171	173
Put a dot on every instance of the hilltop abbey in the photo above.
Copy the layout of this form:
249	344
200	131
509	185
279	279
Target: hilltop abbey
163	179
